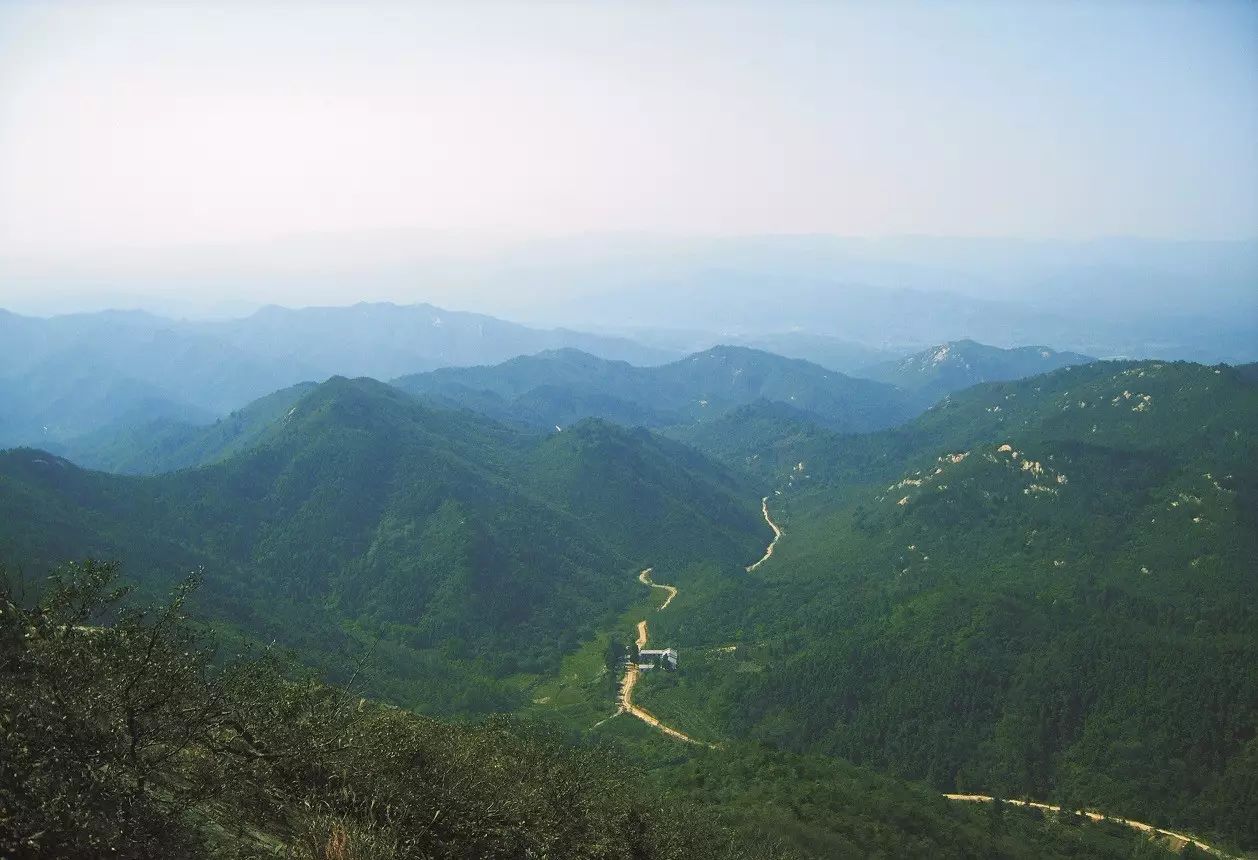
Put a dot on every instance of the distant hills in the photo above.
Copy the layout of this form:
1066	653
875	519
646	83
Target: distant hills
1118	297
952	366
558	387
542	392
67	376
164	444
690	398
77	383
1111	297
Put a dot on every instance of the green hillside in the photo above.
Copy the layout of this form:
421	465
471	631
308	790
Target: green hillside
123	739
1049	591
166	445
654	500
560	387
446	539
1039	588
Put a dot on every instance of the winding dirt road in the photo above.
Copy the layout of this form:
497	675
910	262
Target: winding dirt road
631	674
1177	840
777	535
645	578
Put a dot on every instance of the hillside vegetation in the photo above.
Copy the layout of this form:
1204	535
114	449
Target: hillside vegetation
1038	588
121	738
365	519
165	445
1049	592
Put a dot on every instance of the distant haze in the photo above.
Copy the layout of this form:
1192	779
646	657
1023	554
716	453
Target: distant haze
509	157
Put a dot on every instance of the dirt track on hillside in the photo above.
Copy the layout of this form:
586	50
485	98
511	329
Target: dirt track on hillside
777	535
632	672
1177	840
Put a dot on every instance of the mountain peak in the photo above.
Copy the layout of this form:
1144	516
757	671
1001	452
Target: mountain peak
959	364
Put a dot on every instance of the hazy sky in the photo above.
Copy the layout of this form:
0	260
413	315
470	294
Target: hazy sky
126	125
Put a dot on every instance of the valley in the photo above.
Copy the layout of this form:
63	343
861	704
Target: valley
630	679
1175	841
482	566
532	430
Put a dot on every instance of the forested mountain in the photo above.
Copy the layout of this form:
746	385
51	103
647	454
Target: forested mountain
556	388
123	738
1042	587
364	514
67	376
164	445
952	366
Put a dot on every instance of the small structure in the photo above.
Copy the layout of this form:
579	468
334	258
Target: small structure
665	659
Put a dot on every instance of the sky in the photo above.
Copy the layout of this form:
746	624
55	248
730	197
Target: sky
130	129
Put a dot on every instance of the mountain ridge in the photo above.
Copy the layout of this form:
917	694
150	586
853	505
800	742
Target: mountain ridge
55	368
364	507
546	388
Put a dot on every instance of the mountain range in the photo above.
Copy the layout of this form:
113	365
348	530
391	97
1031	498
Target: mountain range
363	507
949	367
67	376
558	387
1040	587
1036	587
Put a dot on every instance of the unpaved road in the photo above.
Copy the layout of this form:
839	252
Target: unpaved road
645	578
777	535
631	673
1177	840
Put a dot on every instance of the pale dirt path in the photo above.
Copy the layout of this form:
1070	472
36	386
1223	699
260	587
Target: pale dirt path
645	578
1179	840
626	705
777	535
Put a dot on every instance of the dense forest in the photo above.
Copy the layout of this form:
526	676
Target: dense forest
459	550
126	736
1040	588
1049	592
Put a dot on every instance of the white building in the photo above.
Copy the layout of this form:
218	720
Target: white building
649	659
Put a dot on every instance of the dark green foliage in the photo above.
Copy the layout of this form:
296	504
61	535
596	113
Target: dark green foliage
1072	616
656	501
825	808
457	550
88	718
119	739
765	438
167	445
1039	588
